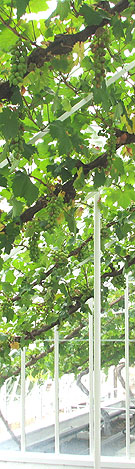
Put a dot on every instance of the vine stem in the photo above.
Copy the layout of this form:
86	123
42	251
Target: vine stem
33	26
30	116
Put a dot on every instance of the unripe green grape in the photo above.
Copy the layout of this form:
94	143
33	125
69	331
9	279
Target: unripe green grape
22	59
19	78
14	68
20	67
19	42
17	74
17	53
24	52
15	82
13	60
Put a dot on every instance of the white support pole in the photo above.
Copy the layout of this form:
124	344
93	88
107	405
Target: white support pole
127	371
91	400
97	335
83	101
56	384
23	399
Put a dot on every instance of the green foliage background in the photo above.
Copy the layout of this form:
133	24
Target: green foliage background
46	218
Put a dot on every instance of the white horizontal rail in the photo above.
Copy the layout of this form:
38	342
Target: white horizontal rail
83	101
15	460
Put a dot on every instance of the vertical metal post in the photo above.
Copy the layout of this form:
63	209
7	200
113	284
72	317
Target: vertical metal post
56	384
91	419
23	399
127	371
97	334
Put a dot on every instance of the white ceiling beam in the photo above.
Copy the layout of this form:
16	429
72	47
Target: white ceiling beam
83	101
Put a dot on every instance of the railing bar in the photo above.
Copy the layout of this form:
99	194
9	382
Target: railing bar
23	399
127	371
56	387
91	401
97	334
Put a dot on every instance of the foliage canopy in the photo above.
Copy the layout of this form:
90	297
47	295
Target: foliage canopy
49	62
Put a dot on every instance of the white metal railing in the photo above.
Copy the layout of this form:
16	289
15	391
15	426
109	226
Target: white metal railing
95	461
95	439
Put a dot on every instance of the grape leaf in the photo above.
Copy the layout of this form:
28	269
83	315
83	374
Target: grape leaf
21	7
58	131
17	207
63	8
23	187
38	5
6	37
28	150
99	178
3	181
9	124
118	30
91	16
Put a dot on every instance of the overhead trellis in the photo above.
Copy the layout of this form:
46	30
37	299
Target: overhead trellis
47	173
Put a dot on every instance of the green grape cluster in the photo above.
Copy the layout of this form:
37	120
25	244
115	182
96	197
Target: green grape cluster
34	251
99	45
19	61
60	258
7	309
16	143
53	210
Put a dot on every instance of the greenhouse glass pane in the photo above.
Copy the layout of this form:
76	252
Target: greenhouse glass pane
39	401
